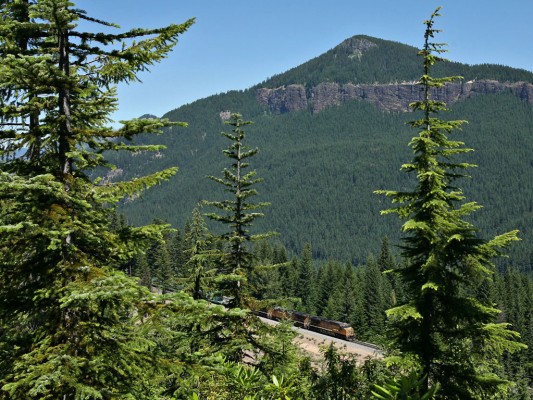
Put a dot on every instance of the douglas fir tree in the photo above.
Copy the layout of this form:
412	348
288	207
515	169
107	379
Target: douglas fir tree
66	328
452	334
238	212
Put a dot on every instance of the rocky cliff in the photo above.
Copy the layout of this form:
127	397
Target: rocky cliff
390	97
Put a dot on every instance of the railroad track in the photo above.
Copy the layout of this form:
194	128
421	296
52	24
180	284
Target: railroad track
311	342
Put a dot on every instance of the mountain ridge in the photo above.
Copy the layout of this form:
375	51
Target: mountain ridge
387	97
321	168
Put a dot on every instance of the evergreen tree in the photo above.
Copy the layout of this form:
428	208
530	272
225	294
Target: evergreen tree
266	283
279	255
357	319
322	292
451	333
305	284
374	304
515	299
289	278
392	290
328	290
162	268
263	252
349	286
386	259
201	257
333	309
159	261
67	316
142	270
176	247
238	211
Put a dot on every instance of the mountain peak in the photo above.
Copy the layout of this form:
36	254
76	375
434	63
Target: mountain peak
357	45
367	60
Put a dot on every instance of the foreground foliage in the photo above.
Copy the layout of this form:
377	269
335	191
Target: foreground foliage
72	324
69	323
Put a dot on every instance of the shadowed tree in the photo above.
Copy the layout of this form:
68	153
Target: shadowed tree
201	257
374	297
306	280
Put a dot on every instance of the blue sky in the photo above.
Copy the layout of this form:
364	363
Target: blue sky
235	44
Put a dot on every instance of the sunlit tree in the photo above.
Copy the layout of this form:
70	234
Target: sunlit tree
66	328
238	212
451	333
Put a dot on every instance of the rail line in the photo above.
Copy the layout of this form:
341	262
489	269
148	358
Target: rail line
310	341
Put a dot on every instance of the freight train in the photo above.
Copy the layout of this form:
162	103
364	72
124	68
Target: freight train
341	330
322	325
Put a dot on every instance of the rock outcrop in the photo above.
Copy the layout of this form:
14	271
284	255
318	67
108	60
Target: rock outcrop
284	99
389	97
357	46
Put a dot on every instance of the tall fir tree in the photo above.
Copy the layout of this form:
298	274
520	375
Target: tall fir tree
176	247
452	334
374	290
289	278
66	315
387	264
162	268
328	290
238	212
514	293
324	285
266	279
279	255
306	280
201	255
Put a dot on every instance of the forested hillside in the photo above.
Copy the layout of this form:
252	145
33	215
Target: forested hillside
320	169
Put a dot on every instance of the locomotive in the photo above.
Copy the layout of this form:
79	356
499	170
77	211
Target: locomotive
341	330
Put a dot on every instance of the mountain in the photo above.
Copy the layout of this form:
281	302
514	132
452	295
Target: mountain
333	130
363	59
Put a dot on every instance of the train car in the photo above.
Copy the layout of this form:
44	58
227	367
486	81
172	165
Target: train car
279	313
329	327
301	320
322	325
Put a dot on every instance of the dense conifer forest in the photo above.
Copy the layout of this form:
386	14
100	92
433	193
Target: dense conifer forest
320	169
101	301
